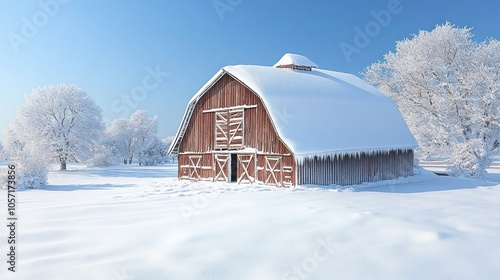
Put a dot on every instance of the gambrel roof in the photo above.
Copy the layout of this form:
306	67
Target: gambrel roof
319	111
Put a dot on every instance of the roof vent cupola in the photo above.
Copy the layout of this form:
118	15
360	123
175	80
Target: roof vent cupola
296	62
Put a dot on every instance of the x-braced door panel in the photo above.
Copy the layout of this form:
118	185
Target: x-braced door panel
274	171
246	162
221	131
236	129
194	168
221	167
229	128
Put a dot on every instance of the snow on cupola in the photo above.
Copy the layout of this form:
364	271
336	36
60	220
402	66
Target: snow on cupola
295	61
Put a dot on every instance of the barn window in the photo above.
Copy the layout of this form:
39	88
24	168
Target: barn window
229	127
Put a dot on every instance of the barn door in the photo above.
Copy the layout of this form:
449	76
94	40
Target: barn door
274	171
246	162
194	168
221	167
229	129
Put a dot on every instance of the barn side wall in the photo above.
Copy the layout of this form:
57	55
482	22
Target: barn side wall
259	134
347	170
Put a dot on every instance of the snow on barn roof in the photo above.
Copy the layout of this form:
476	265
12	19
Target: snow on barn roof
295	59
319	111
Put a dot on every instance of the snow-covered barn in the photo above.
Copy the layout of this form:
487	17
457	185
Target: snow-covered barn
290	124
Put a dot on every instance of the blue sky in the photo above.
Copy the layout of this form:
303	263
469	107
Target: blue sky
155	55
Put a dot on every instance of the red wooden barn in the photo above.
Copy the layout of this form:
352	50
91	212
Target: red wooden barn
290	124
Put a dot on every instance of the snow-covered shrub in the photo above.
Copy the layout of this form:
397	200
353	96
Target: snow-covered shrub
470	160
3	155
103	157
30	172
3	176
155	153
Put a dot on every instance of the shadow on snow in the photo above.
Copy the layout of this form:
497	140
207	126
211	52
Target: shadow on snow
425	182
433	183
83	187
125	171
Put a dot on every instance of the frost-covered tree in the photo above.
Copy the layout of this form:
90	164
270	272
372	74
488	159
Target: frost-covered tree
121	134
168	141
57	122
447	87
2	153
156	152
145	129
13	146
104	155
132	136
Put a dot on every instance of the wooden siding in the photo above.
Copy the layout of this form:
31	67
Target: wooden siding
355	169
284	171
203	167
258	133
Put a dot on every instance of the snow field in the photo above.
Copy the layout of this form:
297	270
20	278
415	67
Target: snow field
130	222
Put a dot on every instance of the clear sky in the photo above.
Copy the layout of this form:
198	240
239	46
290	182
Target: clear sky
155	55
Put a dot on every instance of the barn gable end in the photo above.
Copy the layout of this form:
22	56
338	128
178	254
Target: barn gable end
202	157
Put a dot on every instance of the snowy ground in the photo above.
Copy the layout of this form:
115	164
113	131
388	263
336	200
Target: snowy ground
130	222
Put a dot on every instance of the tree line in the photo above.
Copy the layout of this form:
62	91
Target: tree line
62	123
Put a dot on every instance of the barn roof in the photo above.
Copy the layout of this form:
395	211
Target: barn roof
319	111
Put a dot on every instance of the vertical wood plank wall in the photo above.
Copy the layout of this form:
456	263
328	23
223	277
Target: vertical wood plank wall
355	169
